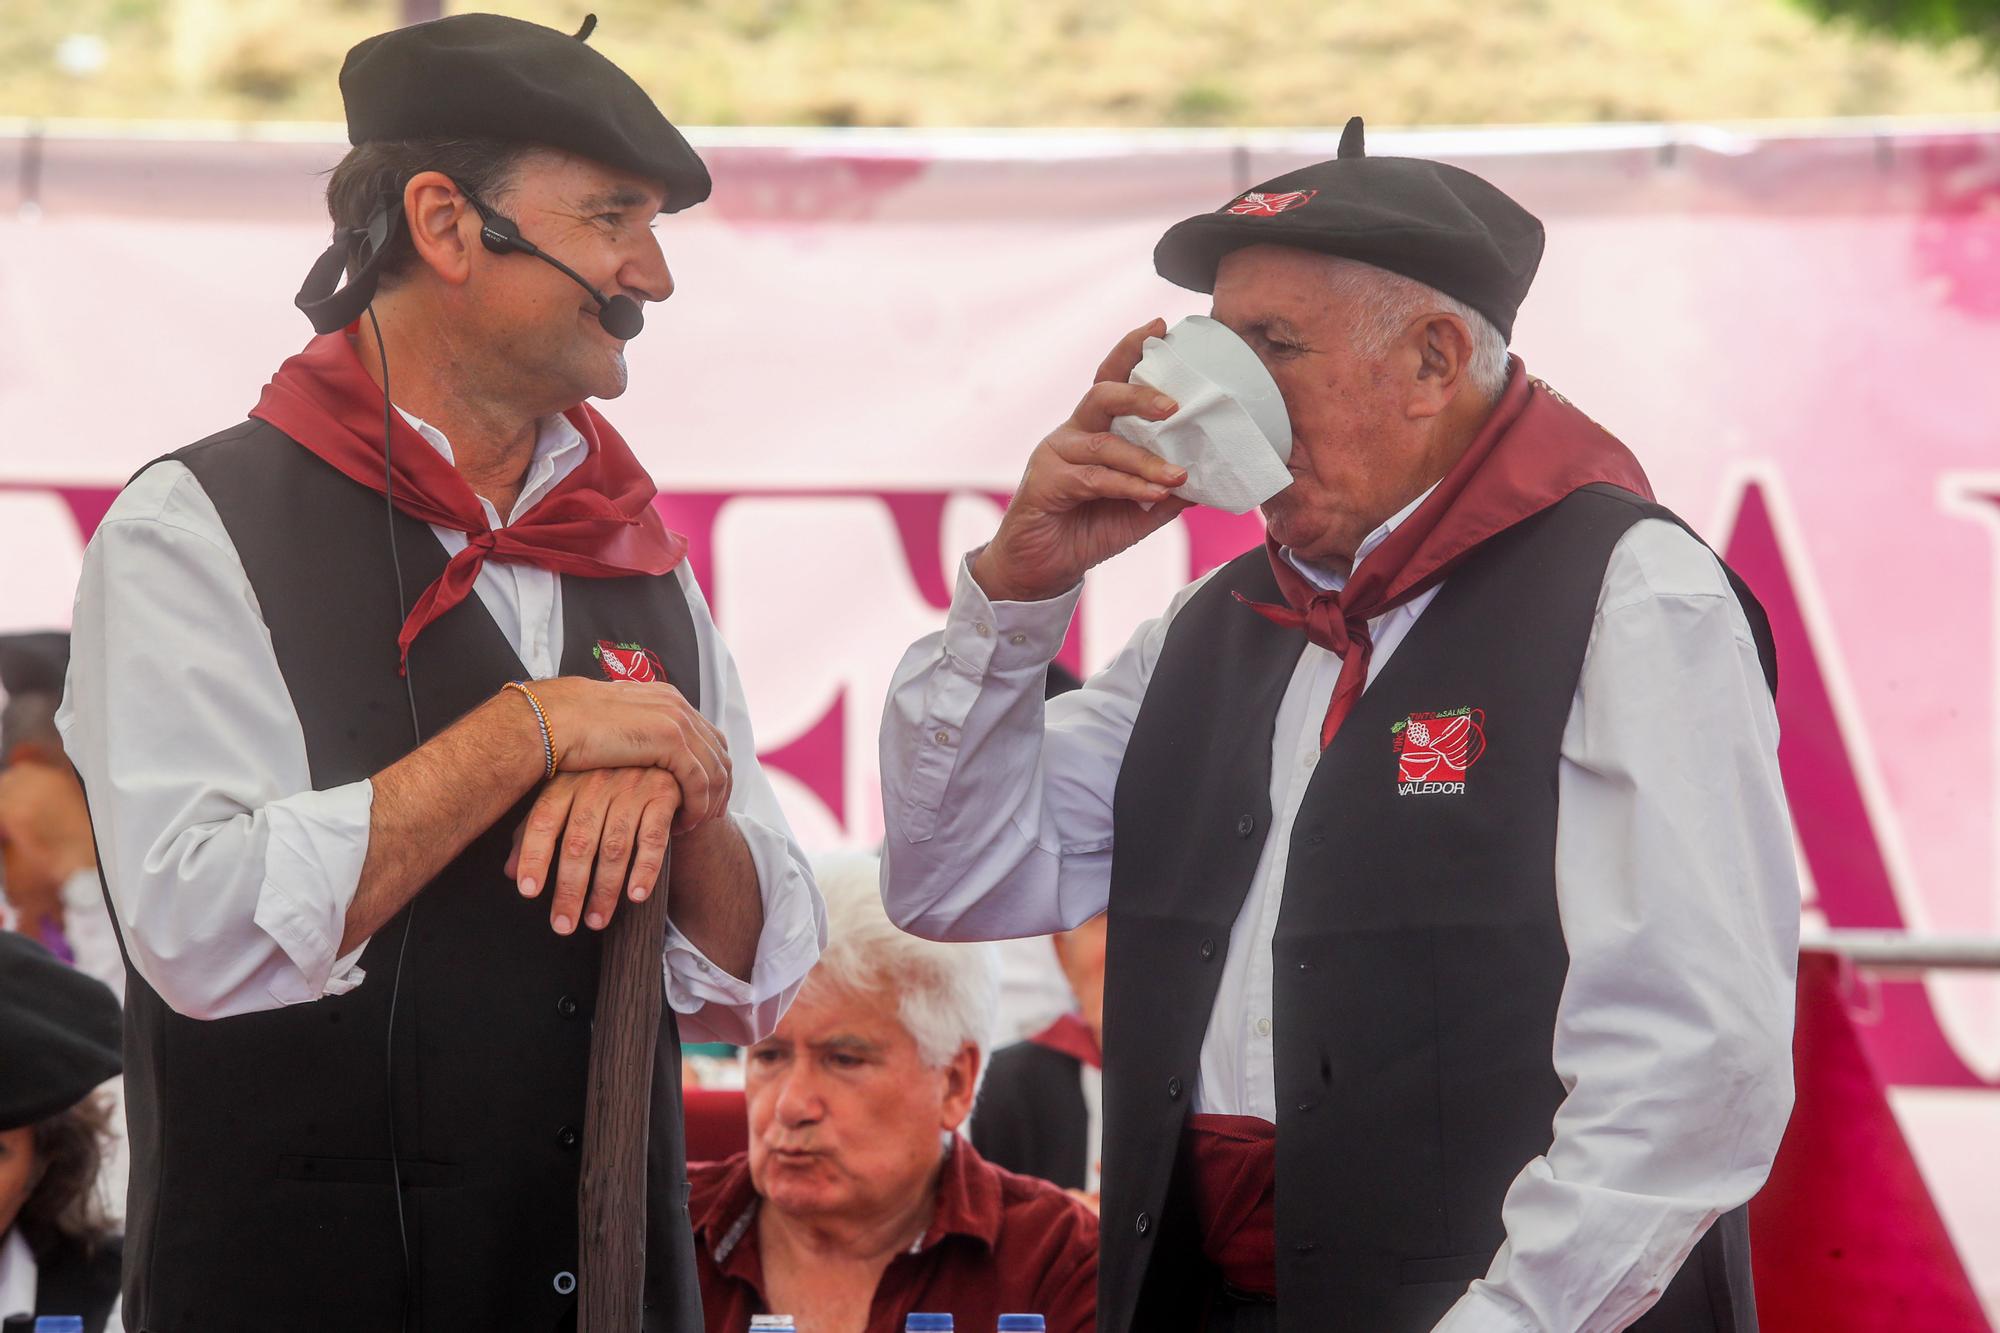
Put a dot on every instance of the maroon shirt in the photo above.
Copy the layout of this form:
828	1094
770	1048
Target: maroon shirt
998	1244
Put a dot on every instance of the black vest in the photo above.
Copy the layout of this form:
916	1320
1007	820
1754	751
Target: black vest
1031	1117
71	1280
263	1152
1418	955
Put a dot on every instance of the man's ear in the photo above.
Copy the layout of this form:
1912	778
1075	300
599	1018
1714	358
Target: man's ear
1443	345
444	227
961	1082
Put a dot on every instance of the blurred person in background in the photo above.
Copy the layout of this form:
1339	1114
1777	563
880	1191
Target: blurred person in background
48	865
858	1200
1041	1109
1453	911
59	1039
372	762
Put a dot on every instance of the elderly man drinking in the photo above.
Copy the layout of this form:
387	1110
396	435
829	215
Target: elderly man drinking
858	1202
1453	913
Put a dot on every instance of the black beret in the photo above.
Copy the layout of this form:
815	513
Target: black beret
490	77
1438	224
59	1033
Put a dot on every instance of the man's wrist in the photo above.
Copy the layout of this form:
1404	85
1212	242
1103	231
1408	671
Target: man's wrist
992	581
529	732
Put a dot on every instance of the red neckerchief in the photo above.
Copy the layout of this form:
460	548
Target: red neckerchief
1072	1037
1533	450
598	521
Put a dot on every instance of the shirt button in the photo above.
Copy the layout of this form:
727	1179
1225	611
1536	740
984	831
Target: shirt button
568	1136
1207	950
981	628
1142	1223
1245	825
1263	1027
1017	639
702	963
941	736
1174	1088
566	1006
565	1283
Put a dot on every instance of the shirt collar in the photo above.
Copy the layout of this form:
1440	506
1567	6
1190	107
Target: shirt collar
1327	580
559	450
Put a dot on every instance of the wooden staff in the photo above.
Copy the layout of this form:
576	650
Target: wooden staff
611	1192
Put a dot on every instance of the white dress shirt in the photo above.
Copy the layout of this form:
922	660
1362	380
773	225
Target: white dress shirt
19	1275
1675	883
230	874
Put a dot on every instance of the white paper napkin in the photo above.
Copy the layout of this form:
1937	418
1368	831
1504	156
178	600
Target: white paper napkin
1231	431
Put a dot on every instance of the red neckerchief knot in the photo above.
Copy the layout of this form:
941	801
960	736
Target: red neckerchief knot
1534	449
597	522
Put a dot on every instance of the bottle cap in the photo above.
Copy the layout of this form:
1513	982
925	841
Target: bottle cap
927	1323
777	1323
1022	1323
59	1323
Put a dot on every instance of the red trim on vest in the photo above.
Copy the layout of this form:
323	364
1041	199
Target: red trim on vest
1234	1160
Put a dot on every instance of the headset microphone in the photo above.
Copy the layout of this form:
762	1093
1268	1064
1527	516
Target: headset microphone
620	315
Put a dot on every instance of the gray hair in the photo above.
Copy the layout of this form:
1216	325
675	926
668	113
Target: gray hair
1386	303
946	994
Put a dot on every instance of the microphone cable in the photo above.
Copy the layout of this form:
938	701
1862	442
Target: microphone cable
417	733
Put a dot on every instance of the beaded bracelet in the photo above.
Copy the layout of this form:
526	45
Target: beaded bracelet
541	716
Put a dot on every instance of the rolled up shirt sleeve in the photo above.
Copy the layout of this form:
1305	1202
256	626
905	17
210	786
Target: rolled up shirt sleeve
230	876
715	1006
1679	897
997	804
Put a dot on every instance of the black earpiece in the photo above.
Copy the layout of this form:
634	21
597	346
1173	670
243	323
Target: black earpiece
620	315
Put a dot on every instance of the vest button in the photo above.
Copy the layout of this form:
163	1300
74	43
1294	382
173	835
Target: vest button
1207	950
1246	825
566	1006
1143	1223
568	1136
1174	1088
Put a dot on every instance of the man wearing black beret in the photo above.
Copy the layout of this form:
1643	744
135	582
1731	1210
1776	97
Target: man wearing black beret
1453	914
384	699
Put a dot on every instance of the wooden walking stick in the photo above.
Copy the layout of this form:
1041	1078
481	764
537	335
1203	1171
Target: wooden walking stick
611	1192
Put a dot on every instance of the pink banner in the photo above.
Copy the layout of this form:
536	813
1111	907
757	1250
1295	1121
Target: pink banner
1796	335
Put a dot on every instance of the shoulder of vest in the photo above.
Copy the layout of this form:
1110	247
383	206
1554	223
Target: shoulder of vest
1249	573
230	444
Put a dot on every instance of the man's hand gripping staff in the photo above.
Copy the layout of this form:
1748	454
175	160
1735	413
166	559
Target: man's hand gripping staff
636	764
1080	501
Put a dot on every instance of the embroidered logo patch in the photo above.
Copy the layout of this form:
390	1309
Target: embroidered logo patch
627	661
1433	750
1259	205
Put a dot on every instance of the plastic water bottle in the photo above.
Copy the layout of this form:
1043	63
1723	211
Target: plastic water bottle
1022	1323
927	1323
776	1323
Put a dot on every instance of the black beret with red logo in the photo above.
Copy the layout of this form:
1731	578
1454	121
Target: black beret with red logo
1438	224
59	1033
490	77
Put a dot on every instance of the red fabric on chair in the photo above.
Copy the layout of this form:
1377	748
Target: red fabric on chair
718	1124
1844	1238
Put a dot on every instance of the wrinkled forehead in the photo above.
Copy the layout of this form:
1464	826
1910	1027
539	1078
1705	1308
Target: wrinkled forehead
1259	284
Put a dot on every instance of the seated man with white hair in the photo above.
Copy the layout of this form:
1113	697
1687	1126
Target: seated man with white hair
858	1201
